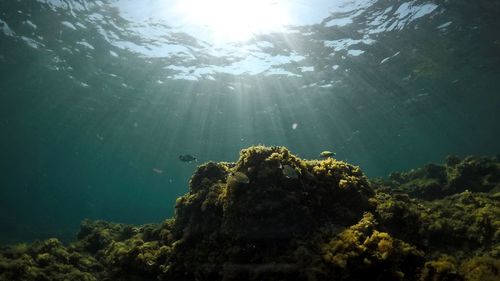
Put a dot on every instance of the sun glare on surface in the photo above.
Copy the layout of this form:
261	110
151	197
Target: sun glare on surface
235	20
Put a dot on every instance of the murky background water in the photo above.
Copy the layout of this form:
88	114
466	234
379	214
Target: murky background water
98	98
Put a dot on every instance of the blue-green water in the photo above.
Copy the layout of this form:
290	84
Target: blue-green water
98	98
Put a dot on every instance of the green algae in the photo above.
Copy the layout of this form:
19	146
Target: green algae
476	174
327	222
361	251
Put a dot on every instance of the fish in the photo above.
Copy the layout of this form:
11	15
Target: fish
187	158
326	154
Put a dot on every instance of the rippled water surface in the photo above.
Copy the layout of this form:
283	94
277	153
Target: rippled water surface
99	98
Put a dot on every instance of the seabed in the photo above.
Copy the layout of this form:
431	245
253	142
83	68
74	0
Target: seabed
274	216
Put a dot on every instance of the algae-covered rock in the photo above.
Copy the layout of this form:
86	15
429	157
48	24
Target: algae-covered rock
47	260
362	251
476	174
274	216
252	212
127	252
481	268
458	225
443	268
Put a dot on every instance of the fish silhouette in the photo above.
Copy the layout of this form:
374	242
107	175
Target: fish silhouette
187	158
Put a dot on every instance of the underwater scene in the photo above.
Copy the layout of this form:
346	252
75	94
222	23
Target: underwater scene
250	140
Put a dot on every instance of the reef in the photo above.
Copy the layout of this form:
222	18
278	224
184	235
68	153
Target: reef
274	216
475	174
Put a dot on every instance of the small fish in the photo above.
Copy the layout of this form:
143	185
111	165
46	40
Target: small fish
187	158
326	154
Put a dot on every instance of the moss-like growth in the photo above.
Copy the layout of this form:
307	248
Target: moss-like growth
47	260
253	211
455	225
476	174
274	216
444	268
481	268
361	251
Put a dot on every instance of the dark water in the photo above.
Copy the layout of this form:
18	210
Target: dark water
98	98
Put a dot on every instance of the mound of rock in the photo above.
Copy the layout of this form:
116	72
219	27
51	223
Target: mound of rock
274	216
475	174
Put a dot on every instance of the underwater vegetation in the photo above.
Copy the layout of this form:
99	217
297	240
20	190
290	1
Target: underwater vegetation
475	174
274	216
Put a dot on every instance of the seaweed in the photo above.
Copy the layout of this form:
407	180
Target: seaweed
475	174
274	216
